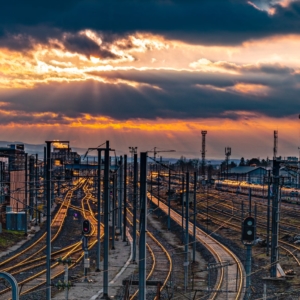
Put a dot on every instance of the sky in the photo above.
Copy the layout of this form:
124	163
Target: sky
151	74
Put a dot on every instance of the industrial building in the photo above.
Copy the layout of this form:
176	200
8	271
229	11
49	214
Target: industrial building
247	173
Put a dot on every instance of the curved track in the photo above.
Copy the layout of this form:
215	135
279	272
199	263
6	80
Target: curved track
221	254
160	264
38	279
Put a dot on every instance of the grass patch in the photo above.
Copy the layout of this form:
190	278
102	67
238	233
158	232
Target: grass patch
9	238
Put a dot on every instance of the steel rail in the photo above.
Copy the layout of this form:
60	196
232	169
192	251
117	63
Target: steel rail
69	194
212	250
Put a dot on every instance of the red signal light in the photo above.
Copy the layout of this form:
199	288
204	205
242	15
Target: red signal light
86	227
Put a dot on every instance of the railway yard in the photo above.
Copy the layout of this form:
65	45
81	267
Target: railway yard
212	268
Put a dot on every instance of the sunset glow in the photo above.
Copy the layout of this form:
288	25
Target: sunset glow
149	81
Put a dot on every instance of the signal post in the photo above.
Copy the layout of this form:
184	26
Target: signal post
86	229
248	237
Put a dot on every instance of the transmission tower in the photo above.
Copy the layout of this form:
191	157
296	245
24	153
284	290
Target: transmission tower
203	132
275	144
227	154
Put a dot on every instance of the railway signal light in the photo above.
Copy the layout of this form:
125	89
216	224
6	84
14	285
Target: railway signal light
248	230
86	227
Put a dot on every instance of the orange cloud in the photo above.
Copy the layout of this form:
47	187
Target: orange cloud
253	89
251	136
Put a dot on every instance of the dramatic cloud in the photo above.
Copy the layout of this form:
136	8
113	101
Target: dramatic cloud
207	22
155	94
150	71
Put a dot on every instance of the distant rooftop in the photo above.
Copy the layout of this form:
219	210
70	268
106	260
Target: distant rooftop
244	169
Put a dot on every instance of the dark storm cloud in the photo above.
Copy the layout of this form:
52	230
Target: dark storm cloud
205	21
257	68
82	44
184	95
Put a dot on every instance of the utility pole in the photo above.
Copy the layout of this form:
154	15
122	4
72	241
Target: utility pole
120	194
203	132
169	204
45	175
106	218
275	218
113	211
182	209
31	185
48	226
275	208
36	193
125	199
99	213
48	239
268	213
26	193
195	215
135	180
298	171
186	246
143	226
227	154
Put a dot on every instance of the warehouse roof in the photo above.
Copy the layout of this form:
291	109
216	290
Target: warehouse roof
244	169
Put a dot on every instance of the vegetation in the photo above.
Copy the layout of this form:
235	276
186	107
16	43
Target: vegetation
9	238
254	162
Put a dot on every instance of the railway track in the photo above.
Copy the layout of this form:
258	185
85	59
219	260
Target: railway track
39	245
221	254
288	248
38	280
159	263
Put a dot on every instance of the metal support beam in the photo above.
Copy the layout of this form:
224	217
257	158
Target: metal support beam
99	213
169	204
125	199
48	226
113	234
106	218
186	246
268	213
45	175
135	180
248	268
26	193
143	226
182	210
195	216
120	195
31	185
275	219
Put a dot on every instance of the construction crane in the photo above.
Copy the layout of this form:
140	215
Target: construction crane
158	151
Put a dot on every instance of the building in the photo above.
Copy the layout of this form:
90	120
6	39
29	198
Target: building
290	176
63	154
247	173
13	183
